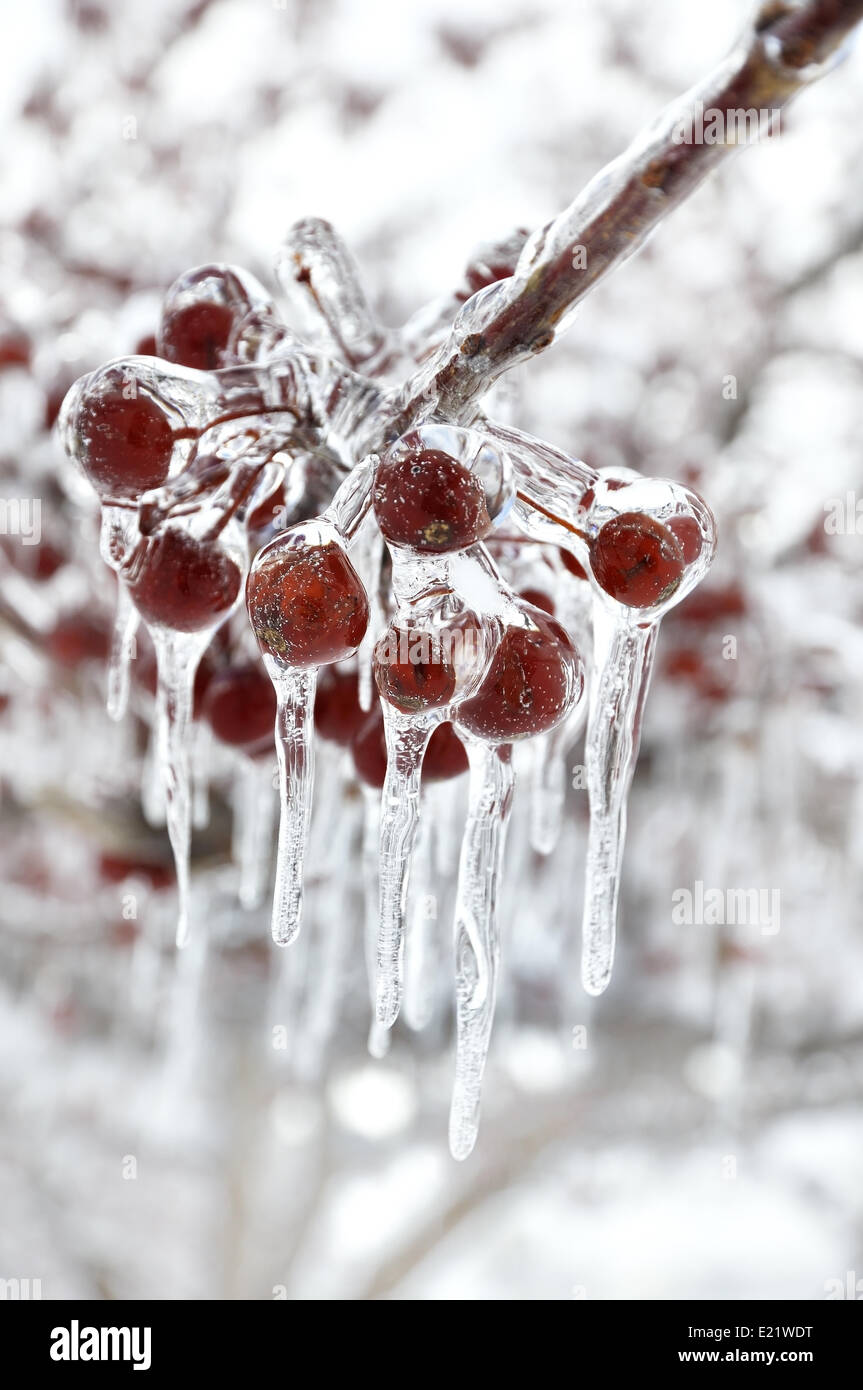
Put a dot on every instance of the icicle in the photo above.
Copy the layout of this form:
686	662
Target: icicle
371	836
319	274
420	949
202	743
295	692
407	739
177	655
476	933
122	647
367	554
379	1036
152	789
623	658
254	813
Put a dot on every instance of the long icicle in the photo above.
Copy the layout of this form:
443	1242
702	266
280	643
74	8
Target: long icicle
477	944
420	953
177	656
623	660
406	744
379	1036
126	622
295	693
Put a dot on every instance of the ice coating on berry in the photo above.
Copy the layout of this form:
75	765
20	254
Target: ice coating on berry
534	679
201	311
184	583
636	560
197	336
306	602
413	671
124	445
688	533
429	502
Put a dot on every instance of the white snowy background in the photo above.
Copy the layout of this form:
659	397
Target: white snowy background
707	1140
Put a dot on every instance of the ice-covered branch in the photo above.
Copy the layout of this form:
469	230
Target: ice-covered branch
787	45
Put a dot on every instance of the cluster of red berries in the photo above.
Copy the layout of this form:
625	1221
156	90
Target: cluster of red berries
307	604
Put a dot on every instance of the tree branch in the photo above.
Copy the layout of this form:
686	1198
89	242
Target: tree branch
786	46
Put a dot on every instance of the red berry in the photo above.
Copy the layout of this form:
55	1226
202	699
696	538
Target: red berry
146	346
38	562
684	664
412	670
429	501
306	602
688	533
259	521
338	713
197	335
369	749
571	564
184	583
14	349
125	445
47	561
534	677
711	605
637	560
445	756
115	868
240	706
537	599
78	637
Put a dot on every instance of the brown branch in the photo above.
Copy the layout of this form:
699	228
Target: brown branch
786	46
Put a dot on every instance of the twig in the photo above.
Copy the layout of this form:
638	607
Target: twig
785	47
